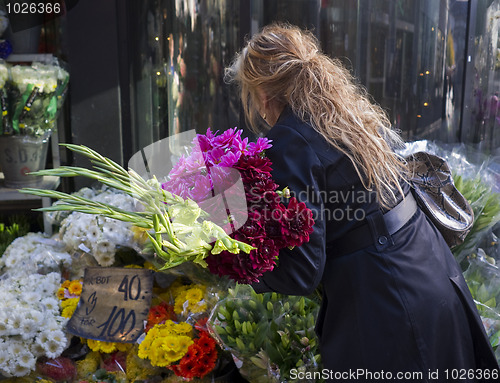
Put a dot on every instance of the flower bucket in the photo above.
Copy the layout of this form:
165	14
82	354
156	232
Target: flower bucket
20	155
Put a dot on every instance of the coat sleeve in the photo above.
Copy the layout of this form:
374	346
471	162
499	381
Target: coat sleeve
296	166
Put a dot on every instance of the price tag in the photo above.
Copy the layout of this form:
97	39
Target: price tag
113	305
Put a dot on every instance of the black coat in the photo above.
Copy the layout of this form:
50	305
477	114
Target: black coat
401	306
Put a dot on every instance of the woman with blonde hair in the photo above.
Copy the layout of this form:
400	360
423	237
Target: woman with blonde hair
394	299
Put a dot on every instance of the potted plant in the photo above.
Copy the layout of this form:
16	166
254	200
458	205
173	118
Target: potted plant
31	97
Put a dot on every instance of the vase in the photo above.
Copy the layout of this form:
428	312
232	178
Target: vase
20	155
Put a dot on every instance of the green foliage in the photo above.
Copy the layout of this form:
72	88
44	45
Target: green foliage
273	333
11	228
486	207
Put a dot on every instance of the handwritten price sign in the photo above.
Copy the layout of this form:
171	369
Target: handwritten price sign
113	305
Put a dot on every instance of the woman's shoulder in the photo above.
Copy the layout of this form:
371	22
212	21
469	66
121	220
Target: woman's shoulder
290	131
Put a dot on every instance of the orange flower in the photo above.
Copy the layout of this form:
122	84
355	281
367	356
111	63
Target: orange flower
60	293
75	288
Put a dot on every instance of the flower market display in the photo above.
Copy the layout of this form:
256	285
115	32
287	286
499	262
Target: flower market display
203	323
136	223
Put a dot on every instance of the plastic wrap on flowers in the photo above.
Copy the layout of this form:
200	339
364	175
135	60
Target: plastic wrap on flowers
101	237
268	334
483	279
176	336
5	126
36	93
486	205
176	345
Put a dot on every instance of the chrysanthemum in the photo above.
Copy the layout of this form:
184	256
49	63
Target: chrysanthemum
26	359
75	288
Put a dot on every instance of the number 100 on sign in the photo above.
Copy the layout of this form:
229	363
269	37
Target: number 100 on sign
113	305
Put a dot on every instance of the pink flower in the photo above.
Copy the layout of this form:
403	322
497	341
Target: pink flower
258	147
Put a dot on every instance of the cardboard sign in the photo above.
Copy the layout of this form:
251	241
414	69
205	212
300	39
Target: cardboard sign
114	304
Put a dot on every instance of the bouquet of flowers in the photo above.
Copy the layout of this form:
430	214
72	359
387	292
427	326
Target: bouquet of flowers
100	236
188	225
4	76
266	223
31	326
176	334
175	226
483	279
36	95
268	334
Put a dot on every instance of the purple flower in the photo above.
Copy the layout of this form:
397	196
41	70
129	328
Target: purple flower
258	147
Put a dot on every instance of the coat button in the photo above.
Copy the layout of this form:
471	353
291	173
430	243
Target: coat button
382	239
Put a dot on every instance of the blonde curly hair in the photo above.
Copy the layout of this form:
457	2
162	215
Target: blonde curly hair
286	63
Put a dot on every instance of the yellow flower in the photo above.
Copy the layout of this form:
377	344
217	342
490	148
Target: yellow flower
183	328
140	234
108	347
66	284
172	349
67	312
198	307
69	307
123	346
75	288
70	302
105	347
194	295
180	300
60	293
89	365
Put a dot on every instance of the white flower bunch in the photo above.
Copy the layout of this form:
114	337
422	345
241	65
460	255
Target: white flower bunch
96	234
44	80
4	74
30	324
34	253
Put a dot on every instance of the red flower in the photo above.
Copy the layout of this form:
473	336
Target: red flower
59	369
206	342
297	223
196	363
159	314
116	361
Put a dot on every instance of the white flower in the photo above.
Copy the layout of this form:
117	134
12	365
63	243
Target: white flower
53	349
27	360
31	297
104	259
4	356
28	329
17	370
15	348
105	247
14	323
4	328
51	305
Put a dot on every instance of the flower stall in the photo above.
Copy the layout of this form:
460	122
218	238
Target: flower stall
147	281
147	278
